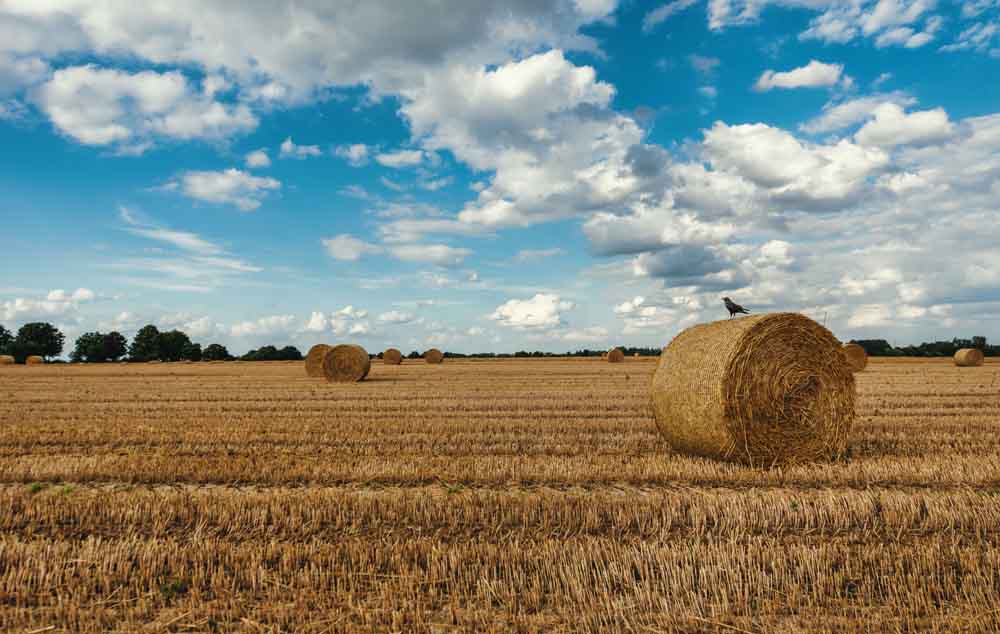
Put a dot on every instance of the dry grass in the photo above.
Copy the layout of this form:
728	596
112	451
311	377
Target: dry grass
480	496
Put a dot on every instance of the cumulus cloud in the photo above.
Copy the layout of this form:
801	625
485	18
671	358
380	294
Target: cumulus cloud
355	154
258	158
102	106
276	324
892	126
400	158
348	248
57	303
289	149
396	317
438	254
529	255
657	16
544	310
227	187
813	75
838	115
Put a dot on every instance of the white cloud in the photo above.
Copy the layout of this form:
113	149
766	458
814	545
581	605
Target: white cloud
228	187
529	255
396	317
400	158
813	75
843	114
892	127
101	106
276	324
544	310
630	306
348	248
17	72
57	303
660	14
704	64
290	150
356	154
870	316
258	158
592	334
439	254
979	37
317	322
351	312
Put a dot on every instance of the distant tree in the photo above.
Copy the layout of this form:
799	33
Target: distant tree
115	346
172	345
979	342
414	355
6	340
192	352
146	344
38	338
89	348
290	353
215	352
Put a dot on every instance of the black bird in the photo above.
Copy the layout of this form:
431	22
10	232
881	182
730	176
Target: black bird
734	308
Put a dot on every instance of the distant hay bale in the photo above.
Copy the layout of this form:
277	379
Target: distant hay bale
856	356
346	364
314	359
34	360
763	390
635	355
6	359
433	356
392	357
615	355
969	358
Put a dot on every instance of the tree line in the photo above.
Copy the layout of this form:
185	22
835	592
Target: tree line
882	348
149	344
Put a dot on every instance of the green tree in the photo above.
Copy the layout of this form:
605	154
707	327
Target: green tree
6	340
38	338
89	348
192	352
146	344
115	346
172	345
215	352
290	353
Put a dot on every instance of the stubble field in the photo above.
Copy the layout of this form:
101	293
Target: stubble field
480	496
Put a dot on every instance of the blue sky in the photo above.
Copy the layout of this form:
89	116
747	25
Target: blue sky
553	174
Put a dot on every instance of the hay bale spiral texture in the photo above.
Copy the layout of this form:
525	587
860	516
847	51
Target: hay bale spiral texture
763	390
969	358
857	358
615	355
433	356
314	359
6	359
392	357
346	364
34	360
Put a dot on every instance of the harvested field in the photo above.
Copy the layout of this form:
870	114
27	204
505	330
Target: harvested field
481	496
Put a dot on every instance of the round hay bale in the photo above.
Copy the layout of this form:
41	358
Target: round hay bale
857	358
314	359
392	357
433	356
346	364
615	355
34	360
762	390
635	355
969	358
6	359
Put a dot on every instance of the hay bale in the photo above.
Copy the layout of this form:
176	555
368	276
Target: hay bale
433	356
615	355
768	389
34	360
857	358
6	359
392	357
346	364
635	355
969	358
314	359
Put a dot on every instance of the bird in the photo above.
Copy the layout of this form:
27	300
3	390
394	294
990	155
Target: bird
734	308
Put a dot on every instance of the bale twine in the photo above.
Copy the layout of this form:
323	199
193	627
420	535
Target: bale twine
34	360
392	357
762	390
615	355
314	359
969	358
346	364
6	359
433	356
857	358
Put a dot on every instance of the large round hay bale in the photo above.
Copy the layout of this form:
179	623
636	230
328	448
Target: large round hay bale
346	364
6	359
615	355
762	390
314	359
34	360
857	358
433	356
392	357
969	357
